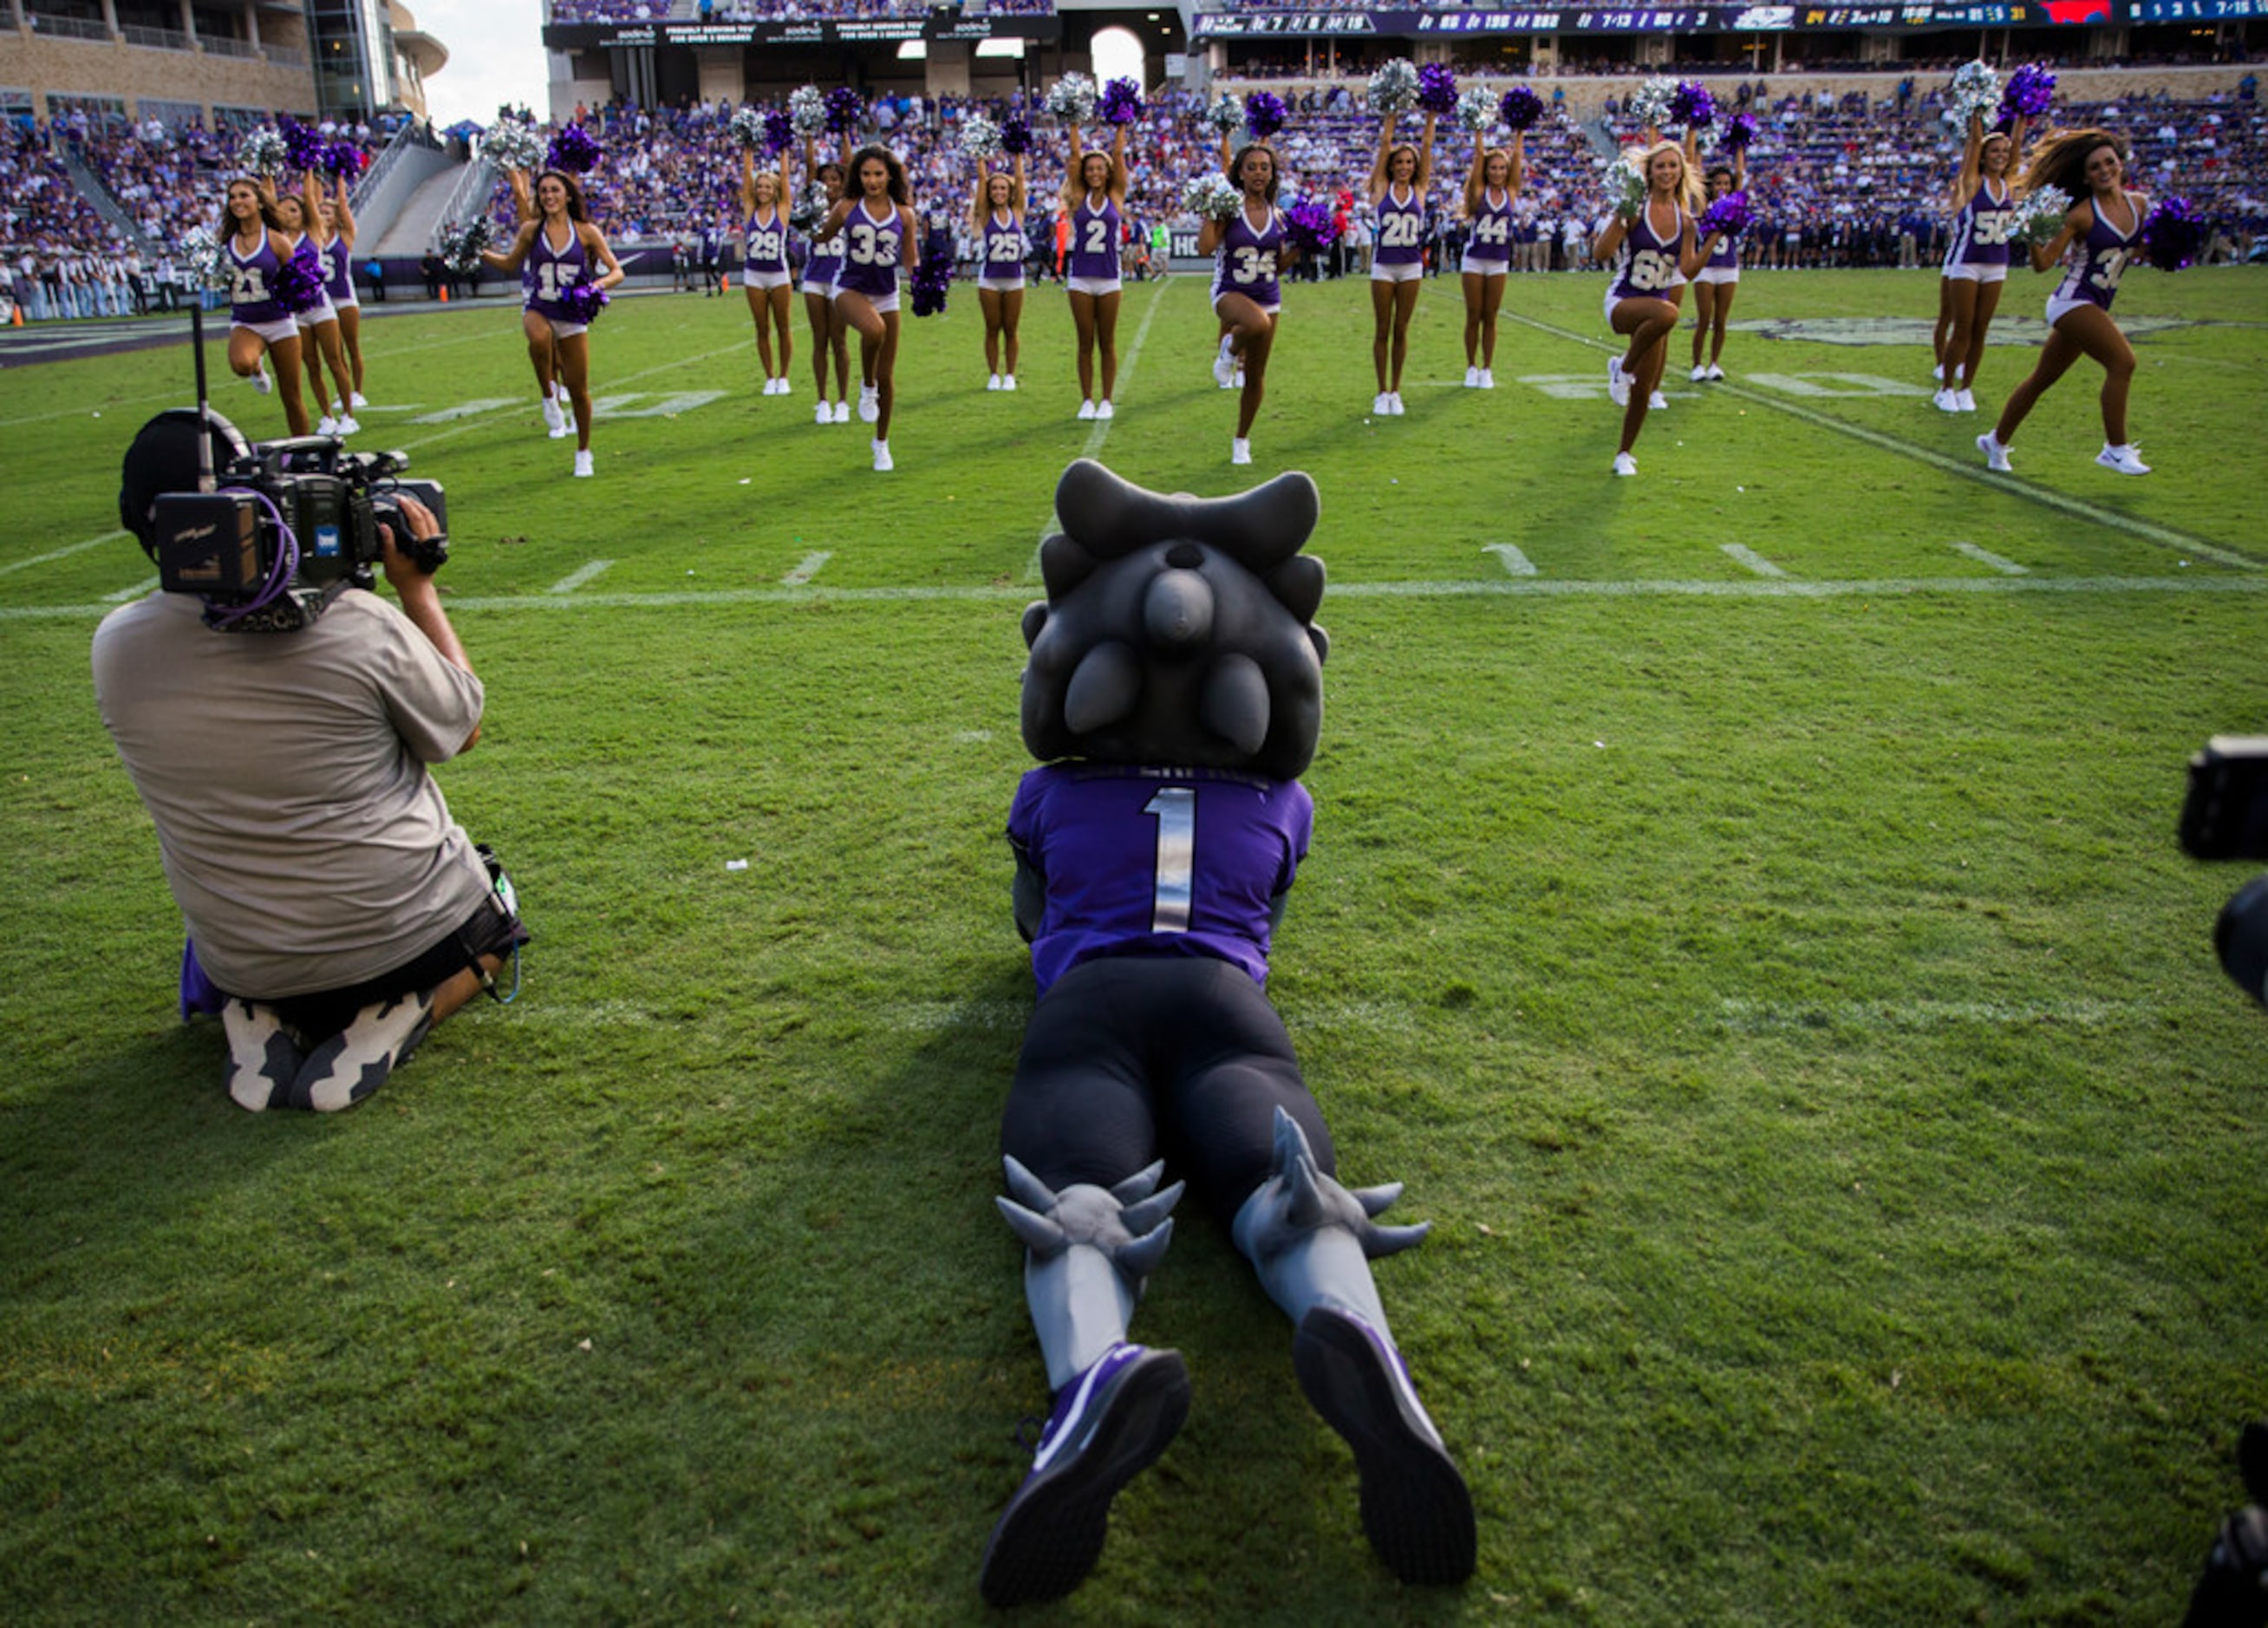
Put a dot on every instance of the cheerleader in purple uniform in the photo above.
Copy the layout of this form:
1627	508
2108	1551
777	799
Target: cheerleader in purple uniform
1654	253
1719	276
763	258
564	251
880	235
1490	190
258	324
301	214
1398	181
2103	231
830	335
996	214
1094	198
1250	249
339	225
1976	258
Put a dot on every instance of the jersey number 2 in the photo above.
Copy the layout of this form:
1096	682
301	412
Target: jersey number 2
1176	811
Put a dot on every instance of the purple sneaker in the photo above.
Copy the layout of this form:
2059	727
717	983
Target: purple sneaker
1109	1425
1415	1508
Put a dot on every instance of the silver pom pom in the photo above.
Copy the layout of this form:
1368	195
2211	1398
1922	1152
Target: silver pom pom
1649	105
1475	109
1210	196
980	137
748	129
807	110
511	145
1071	99
1225	114
262	153
1976	89
1394	88
206	259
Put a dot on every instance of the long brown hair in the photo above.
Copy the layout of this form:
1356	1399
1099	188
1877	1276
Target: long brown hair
2058	159
578	210
269	216
853	187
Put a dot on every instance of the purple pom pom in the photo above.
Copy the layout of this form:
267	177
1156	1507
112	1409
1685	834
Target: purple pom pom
1264	114
1729	215
303	148
2174	236
1522	109
1437	89
933	277
1122	102
583	302
1311	226
573	150
298	284
1015	136
2029	92
1691	105
779	131
344	159
844	110
1739	130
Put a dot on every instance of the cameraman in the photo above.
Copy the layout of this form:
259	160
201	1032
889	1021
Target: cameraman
336	909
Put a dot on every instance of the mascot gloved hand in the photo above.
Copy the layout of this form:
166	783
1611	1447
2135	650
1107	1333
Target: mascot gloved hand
1175	693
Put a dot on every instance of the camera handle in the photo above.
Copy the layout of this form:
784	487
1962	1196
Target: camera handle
205	480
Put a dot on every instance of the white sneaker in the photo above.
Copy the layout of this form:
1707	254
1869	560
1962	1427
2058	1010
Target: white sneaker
1657	403
583	470
787	385
882	457
1625	464
1963	401
554	420
1102	408
993	383
869	404
1716	374
2125	460
822	414
1223	363
1617	382
1007	381
338	407
1086	408
348	426
1472	377
842	412
1938	372
1397	409
260	381
359	400
327	426
1381	405
1996	456
1240	450
1700	372
1488	378
771	387
1946	401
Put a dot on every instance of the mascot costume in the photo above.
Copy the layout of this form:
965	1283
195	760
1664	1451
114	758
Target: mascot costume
1174	695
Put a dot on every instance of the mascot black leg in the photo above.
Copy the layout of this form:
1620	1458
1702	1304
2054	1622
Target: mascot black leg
1312	1241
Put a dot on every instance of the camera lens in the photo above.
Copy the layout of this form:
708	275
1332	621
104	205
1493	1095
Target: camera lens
2241	938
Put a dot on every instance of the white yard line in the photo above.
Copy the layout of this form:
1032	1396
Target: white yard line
134	593
813	563
64	553
1971	470
576	579
1740	554
1514	562
1985	557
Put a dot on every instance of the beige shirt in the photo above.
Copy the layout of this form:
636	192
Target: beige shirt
305	842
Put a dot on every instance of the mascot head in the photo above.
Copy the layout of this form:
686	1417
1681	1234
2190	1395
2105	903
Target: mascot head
1177	630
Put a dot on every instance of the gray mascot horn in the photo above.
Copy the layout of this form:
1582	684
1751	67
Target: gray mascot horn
1174	695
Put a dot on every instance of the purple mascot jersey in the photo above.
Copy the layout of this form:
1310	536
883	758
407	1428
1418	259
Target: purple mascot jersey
1216	847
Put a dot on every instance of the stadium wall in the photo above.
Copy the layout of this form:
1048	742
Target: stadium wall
50	65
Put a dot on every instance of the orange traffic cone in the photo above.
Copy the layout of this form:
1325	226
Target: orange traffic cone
724	285
16	316
445	293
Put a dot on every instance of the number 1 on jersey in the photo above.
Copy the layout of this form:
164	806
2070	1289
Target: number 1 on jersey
1176	810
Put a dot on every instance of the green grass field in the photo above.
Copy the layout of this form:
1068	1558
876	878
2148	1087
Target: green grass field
1783	993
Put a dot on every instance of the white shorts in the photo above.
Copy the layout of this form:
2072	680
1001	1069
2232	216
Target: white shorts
322	314
1096	286
1269	311
351	300
1962	272
1614	299
2059	308
766	280
1001	285
883	304
1718	274
275	333
825	291
566	331
1481	265
1406	271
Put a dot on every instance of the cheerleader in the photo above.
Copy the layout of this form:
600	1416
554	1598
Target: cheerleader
550	378
830	336
258	324
1398	180
339	224
765	271
1976	258
1654	253
564	251
2105	228
301	214
1490	191
996	213
1720	279
880	234
1095	208
1250	249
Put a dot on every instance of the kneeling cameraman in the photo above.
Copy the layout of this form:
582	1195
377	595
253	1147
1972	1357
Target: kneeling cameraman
335	911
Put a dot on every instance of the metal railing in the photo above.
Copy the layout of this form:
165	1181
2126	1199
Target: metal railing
155	39
285	55
469	196
68	27
222	45
413	133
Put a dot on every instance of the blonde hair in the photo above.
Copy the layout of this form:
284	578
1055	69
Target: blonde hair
979	209
1477	182
1690	186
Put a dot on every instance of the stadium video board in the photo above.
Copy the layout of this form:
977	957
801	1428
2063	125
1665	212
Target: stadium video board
1886	15
938	25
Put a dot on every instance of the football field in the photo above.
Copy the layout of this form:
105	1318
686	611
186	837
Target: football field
1744	910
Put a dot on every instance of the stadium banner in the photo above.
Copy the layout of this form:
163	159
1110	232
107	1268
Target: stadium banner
940	24
1888	15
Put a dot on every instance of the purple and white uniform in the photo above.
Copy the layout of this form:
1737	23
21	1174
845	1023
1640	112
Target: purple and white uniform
1221	846
1004	248
823	266
317	261
763	249
1401	231
338	277
873	251
556	270
252	301
1724	262
1645	267
1488	251
2093	278
1095	235
1979	239
1245	263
